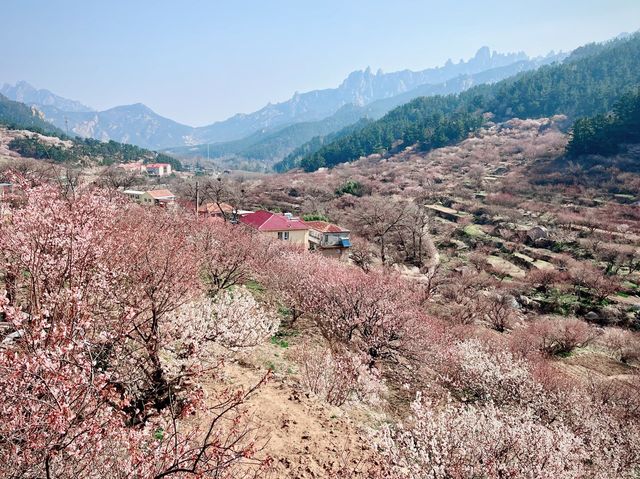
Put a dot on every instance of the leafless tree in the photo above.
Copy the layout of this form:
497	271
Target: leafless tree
114	178
376	217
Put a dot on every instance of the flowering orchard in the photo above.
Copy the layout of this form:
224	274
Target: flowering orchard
104	364
116	318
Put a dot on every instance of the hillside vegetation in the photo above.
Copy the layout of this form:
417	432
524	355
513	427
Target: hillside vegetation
606	133
87	151
292	160
587	83
482	319
18	116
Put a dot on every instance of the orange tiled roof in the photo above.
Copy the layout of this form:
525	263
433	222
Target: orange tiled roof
214	209
160	194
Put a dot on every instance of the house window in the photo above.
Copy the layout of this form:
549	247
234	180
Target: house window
283	235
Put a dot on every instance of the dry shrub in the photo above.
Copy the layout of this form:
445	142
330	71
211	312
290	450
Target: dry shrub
587	277
622	344
503	199
499	311
553	335
334	374
544	279
460	296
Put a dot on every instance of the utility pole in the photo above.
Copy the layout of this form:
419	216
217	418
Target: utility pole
66	124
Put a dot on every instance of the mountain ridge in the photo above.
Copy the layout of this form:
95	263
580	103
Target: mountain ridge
588	82
150	130
289	138
24	92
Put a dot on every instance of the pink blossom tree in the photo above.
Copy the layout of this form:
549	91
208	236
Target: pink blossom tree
92	289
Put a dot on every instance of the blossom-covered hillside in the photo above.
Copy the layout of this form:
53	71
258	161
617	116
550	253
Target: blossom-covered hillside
484	325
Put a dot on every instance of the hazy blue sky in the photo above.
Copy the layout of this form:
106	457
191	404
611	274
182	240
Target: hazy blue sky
200	61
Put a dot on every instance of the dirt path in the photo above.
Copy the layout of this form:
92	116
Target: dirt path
307	438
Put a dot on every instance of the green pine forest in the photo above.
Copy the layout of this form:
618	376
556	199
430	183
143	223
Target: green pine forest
605	134
589	82
18	116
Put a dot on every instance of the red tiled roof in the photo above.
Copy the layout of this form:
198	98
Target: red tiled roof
160	194
325	227
157	165
266	221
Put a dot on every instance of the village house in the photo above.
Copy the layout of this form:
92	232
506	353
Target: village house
217	210
162	198
136	167
284	227
157	198
331	240
158	169
209	209
133	194
152	169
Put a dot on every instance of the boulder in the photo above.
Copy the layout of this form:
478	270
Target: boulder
592	316
537	234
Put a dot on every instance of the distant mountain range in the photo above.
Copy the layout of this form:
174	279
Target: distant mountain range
305	115
272	144
588	82
25	93
136	124
16	115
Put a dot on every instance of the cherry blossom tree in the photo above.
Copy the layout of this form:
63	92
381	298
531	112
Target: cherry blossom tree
361	254
552	335
376	217
93	287
230	254
372	311
376	313
624	345
234	320
335	374
458	441
591	280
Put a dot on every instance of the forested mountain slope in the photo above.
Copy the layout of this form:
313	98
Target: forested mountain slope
140	125
587	83
605	134
272	144
18	116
